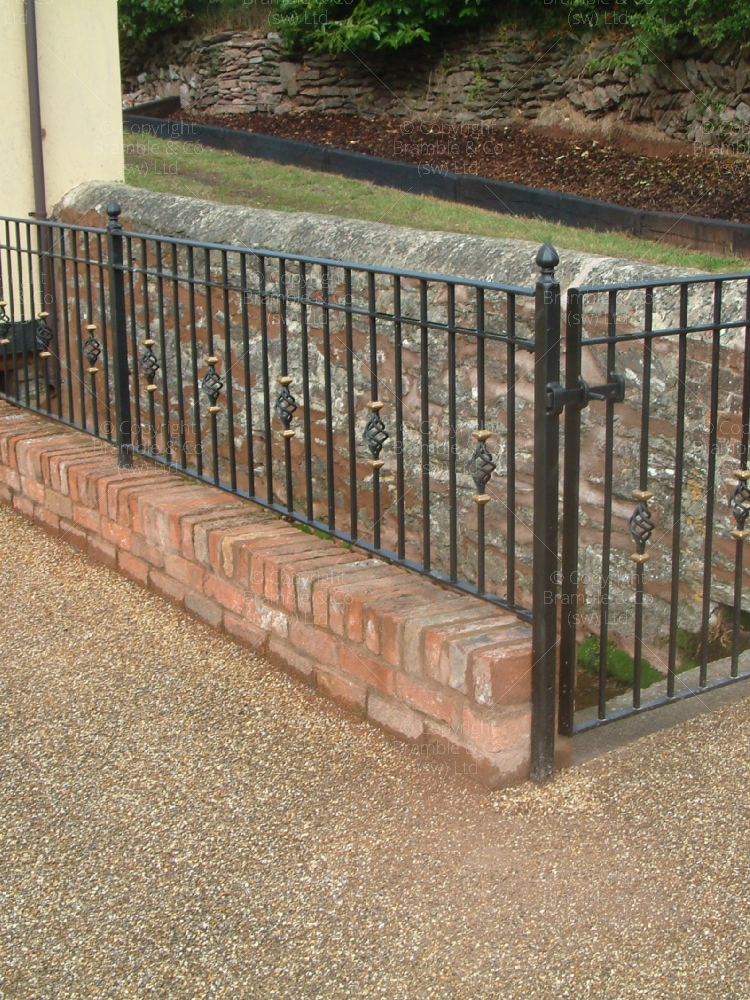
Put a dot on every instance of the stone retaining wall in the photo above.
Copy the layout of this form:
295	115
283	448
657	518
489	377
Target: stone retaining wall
446	672
504	74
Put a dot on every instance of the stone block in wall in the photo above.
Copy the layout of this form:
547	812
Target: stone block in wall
288	72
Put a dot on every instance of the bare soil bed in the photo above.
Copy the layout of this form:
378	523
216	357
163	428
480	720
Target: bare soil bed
701	184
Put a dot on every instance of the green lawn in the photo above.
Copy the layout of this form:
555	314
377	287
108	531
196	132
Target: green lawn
238	180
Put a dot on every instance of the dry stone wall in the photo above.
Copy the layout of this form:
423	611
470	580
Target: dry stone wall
507	74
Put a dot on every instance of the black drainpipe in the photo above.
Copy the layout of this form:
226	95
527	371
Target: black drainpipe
35	112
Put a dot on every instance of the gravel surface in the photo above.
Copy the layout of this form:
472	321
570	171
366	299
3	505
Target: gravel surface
180	821
706	185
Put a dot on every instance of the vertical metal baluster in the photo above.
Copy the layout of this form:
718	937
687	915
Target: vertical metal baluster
304	348
483	463
266	374
399	387
569	566
4	320
19	271
165	403
425	427
266	378
92	349
18	304
54	346
510	456
68	367
50	349
330	481
134	371
179	392
91	346
210	348
118	317
32	294
609	456
11	313
246	372
79	321
353	530
105	334
21	314
228	370
197	428
375	432
678	475
148	342
4	341
8	293
710	484
44	328
739	538
640	523
287	433
452	497
24	359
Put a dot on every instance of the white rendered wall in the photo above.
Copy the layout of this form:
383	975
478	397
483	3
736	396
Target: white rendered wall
79	81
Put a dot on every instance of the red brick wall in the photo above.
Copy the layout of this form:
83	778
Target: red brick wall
446	672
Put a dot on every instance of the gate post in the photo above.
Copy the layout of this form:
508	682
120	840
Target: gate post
119	335
546	478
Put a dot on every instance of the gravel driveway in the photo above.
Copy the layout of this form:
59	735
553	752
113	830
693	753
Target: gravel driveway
178	820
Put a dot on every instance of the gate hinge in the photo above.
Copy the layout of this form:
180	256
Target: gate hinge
558	397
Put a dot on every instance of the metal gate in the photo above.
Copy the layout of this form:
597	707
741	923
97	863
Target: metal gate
647	598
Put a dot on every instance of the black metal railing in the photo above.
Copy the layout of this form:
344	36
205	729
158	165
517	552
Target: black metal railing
377	405
417	416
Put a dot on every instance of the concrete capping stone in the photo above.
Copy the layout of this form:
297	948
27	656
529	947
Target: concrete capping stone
442	671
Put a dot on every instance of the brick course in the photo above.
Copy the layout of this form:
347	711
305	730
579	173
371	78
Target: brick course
430	666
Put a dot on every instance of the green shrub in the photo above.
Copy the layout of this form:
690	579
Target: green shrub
338	25
710	21
619	663
142	20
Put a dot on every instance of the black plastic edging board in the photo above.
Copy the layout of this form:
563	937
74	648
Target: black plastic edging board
709	235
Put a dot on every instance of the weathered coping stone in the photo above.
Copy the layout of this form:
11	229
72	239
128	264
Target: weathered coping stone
374	243
443	671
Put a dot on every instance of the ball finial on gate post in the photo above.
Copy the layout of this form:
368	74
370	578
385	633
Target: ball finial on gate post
113	212
547	259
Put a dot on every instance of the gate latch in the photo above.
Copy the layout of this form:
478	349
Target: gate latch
558	397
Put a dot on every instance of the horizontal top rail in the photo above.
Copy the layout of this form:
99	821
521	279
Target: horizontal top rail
285	256
673	331
698	279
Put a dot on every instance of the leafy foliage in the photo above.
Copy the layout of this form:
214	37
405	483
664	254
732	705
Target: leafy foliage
710	21
141	20
338	25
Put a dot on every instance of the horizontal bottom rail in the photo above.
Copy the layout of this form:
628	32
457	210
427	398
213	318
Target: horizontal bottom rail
625	713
